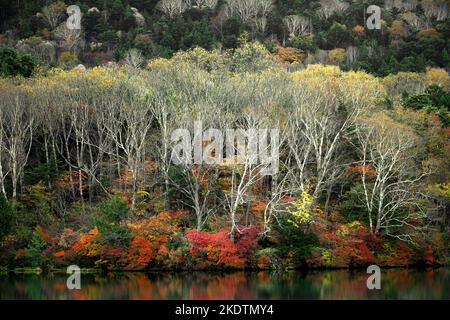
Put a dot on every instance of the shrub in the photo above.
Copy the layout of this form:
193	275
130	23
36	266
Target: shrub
268	258
290	55
293	243
349	246
216	248
337	55
109	221
13	63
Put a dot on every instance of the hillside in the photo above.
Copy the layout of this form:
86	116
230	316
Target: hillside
413	35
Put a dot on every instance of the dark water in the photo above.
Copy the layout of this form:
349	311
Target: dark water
340	284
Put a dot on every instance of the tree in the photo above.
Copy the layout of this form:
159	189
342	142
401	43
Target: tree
71	39
17	126
173	8
204	4
248	10
6	216
398	30
109	221
413	20
53	13
296	25
316	130
330	7
389	176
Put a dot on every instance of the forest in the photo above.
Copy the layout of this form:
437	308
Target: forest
87	120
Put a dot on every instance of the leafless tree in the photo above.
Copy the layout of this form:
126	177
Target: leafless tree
248	10
413	20
435	9
17	126
330	7
389	176
134	58
53	14
204	4
71	39
173	8
296	25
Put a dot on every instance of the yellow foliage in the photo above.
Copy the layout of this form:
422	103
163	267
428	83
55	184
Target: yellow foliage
440	190
438	77
410	82
301	212
158	64
337	55
290	55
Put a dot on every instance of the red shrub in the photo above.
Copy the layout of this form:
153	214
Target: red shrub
350	245
246	241
218	248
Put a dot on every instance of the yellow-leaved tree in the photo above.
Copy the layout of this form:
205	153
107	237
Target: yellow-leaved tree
301	211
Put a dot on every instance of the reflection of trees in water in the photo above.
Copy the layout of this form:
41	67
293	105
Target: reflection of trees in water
338	284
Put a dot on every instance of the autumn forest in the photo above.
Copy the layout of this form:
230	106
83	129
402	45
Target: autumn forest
87	170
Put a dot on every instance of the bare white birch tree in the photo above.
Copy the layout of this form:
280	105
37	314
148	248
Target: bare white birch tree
389	176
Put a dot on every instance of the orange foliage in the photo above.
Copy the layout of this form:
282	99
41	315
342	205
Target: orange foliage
59	254
290	55
351	245
71	180
359	30
399	256
428	33
360	169
259	206
43	234
140	253
398	30
83	245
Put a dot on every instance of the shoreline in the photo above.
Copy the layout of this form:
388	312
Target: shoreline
40	270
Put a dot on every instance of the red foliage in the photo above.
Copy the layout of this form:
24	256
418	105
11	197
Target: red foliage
246	241
264	262
350	245
429	256
399	255
218	248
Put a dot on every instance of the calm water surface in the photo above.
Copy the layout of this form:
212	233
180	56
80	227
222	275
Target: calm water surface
337	284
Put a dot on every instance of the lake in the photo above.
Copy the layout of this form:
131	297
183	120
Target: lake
332	284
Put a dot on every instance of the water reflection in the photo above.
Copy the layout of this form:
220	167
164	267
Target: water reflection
339	284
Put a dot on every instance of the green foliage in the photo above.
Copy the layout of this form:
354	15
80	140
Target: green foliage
37	244
434	100
13	63
6	216
111	221
114	210
294	242
305	43
352	206
44	172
